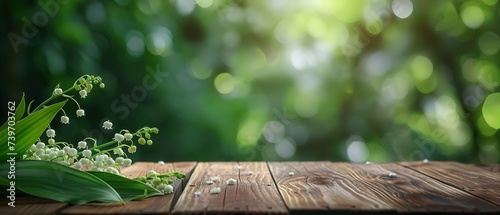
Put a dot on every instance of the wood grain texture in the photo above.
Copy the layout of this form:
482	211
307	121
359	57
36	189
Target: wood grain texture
33	209
488	167
152	205
316	187
26	204
411	192
476	181
253	194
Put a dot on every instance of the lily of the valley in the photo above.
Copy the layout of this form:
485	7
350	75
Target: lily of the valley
86	153
128	136
118	151
83	93
50	133
119	137
132	149
82	145
107	125
80	112
168	189
58	91
65	120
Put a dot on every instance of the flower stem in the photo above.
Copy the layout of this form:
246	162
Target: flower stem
140	131
52	97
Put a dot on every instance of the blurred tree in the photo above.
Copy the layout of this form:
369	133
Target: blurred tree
269	80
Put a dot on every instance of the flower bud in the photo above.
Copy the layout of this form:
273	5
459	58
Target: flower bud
142	179
151	172
128	136
132	149
156	181
58	91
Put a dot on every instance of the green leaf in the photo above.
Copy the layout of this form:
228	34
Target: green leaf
173	174
28	130
55	181
127	188
18	114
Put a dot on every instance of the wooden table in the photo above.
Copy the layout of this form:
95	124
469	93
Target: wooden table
304	188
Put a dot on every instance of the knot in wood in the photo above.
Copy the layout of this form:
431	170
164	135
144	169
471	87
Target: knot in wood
321	180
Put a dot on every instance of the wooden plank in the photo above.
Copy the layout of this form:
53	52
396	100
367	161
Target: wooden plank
186	168
488	167
324	186
476	181
252	194
24	199
152	205
33	209
316	187
412	192
26	204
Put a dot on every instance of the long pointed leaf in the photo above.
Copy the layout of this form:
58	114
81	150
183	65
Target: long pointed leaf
58	182
127	188
28	130
19	112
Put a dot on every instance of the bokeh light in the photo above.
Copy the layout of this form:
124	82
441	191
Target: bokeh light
336	80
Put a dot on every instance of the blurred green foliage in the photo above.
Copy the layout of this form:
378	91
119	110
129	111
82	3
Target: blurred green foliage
268	80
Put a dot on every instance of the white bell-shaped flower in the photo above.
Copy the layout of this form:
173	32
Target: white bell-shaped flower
80	112
50	133
83	93
65	120
108	125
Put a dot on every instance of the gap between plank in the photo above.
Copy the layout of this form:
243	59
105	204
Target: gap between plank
448	184
181	185
277	186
